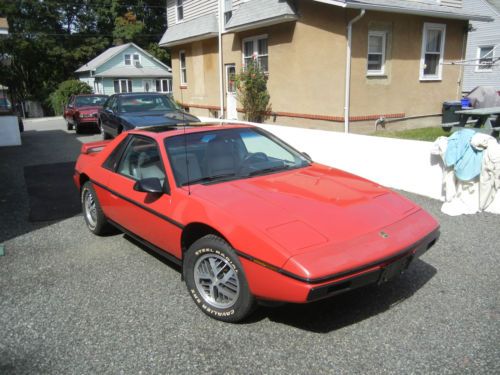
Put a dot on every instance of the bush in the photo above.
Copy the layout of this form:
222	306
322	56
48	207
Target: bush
59	98
251	92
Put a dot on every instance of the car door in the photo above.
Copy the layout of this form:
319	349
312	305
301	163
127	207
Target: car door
147	215
105	113
69	110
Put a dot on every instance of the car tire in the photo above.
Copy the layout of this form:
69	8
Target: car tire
92	212
69	126
230	299
105	135
78	128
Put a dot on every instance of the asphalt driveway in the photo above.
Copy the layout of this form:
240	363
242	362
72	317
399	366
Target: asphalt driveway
71	302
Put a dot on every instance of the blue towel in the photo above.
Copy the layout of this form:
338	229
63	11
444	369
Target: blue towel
465	160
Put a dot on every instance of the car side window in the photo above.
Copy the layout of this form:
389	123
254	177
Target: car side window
142	159
112	161
107	103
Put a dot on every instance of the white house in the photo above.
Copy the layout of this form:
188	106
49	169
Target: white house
126	68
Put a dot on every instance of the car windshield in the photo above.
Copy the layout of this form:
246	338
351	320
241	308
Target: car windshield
87	101
146	103
229	154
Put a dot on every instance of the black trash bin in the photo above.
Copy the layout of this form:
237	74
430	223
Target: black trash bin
449	115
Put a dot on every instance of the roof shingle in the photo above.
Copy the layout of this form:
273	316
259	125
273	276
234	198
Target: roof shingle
201	27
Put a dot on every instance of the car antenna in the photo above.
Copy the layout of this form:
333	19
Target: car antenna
185	144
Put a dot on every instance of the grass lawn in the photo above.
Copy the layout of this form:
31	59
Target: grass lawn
422	134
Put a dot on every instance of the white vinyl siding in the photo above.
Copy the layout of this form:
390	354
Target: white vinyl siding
375	64
195	8
482	34
433	40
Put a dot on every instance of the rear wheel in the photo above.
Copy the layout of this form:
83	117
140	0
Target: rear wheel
215	280
92	212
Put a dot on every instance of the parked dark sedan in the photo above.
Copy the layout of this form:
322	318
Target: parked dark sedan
123	112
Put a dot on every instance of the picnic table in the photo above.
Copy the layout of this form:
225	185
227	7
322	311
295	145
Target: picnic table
484	117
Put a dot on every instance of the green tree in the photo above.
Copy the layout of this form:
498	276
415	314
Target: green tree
251	92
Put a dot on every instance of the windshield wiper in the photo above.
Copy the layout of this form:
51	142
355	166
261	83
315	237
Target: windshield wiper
215	178
269	170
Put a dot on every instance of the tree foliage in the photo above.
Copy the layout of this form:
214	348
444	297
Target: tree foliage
49	39
251	92
59	98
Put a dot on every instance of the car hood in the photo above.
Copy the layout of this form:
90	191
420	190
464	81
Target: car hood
308	207
140	119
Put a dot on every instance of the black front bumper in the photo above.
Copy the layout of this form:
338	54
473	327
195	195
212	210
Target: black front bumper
387	270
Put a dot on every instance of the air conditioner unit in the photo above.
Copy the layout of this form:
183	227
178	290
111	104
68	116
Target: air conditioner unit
137	64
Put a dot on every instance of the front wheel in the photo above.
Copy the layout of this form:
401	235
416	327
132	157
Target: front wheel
69	126
215	280
105	136
92	212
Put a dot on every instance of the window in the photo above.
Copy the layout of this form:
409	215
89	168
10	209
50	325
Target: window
230	76
432	51
163	85
137	59
112	161
228	10
141	159
485	56
376	53
179	11
129	58
255	49
182	63
122	85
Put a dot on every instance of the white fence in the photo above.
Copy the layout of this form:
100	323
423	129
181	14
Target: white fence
396	163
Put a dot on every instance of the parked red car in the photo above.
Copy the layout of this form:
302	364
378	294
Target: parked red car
82	111
248	217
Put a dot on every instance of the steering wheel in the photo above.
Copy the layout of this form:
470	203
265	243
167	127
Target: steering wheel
252	157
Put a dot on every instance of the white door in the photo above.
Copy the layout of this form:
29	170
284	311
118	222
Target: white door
231	104
147	85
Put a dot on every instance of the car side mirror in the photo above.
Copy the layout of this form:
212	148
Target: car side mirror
149	185
108	110
306	155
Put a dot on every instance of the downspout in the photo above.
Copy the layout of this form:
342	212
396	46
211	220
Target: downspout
221	80
348	70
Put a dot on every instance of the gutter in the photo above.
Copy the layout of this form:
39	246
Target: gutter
428	13
348	69
262	23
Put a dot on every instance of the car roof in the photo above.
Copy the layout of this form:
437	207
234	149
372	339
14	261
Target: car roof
166	131
79	95
140	93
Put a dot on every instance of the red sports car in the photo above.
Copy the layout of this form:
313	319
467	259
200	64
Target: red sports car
82	111
248	217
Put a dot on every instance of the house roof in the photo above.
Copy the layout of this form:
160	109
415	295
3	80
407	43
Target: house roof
126	71
203	27
112	52
261	12
3	23
410	7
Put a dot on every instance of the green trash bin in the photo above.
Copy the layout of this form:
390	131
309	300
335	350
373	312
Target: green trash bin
450	118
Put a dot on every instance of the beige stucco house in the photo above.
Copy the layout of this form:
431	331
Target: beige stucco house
397	60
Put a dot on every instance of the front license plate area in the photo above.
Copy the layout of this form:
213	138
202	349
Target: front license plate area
395	268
